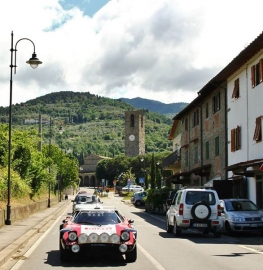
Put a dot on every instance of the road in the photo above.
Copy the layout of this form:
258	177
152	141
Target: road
156	248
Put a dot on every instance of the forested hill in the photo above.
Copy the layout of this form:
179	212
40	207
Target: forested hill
91	123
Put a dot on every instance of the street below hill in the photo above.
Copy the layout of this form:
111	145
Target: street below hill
156	248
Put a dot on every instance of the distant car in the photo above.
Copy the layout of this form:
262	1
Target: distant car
97	232
133	188
241	215
85	199
138	198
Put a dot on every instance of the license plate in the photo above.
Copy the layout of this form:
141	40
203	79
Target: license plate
202	225
253	225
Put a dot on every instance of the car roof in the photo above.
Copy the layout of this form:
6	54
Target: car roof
234	199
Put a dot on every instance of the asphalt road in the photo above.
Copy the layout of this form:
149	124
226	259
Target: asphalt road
156	248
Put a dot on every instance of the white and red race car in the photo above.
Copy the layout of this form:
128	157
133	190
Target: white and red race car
97	232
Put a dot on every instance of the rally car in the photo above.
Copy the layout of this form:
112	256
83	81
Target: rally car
97	232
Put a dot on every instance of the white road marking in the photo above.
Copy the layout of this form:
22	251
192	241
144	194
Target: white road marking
29	252
251	249
150	258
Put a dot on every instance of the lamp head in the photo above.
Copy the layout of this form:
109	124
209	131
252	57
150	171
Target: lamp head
34	61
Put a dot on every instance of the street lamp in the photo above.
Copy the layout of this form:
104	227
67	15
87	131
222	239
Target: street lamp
144	172
33	62
49	153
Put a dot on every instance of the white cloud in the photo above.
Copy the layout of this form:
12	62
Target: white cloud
156	49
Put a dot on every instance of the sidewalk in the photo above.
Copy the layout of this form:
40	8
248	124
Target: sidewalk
16	235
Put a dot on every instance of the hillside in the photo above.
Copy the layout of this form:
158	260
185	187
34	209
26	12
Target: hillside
169	110
91	124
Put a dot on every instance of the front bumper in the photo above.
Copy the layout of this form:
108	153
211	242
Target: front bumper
247	226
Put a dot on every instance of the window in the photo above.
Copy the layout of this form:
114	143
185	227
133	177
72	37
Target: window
196	155
206	110
258	133
186	158
236	139
142	121
236	89
257	73
132	120
186	124
195	118
217	146
216	102
207	150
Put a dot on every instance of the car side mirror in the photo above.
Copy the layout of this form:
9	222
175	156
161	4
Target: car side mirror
131	221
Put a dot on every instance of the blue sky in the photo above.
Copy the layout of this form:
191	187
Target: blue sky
89	7
164	50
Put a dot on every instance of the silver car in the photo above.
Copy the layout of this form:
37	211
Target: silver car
241	215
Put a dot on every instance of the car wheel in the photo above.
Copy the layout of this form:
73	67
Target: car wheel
201	211
132	255
138	203
228	228
64	254
169	228
177	230
206	231
217	234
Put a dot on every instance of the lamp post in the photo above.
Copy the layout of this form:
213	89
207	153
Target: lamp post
144	172
33	62
49	153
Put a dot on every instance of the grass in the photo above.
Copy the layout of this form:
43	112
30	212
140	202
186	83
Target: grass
25	201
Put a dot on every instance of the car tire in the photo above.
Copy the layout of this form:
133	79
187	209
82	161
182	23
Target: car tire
177	230
228	228
206	231
64	254
217	234
138	203
169	228
132	255
201	211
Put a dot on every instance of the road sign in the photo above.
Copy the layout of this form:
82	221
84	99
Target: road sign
141	180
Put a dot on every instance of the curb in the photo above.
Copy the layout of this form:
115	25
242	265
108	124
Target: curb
9	251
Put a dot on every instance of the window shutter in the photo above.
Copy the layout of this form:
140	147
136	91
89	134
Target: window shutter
257	134
233	142
261	70
253	76
238	138
236	89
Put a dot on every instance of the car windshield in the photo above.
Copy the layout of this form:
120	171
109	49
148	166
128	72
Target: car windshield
241	206
86	199
193	197
97	217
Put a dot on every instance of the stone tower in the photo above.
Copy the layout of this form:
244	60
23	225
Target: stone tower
134	133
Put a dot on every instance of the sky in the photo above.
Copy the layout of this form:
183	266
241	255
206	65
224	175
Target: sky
164	50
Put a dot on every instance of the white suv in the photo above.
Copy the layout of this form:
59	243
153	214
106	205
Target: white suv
194	208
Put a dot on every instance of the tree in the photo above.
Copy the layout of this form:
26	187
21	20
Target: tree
153	172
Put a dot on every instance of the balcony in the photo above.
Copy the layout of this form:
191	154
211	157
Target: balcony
172	161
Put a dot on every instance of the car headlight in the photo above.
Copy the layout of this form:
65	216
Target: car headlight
237	219
125	236
72	236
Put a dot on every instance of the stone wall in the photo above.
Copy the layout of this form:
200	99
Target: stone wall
18	213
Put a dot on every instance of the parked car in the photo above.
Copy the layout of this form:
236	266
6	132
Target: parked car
241	215
97	232
133	188
138	198
194	208
85	199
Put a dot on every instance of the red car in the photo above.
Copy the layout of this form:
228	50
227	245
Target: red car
97	232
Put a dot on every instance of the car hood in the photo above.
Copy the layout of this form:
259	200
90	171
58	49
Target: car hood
246	214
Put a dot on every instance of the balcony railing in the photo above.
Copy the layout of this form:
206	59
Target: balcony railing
171	159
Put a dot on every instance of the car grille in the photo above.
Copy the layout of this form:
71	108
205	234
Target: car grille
253	219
